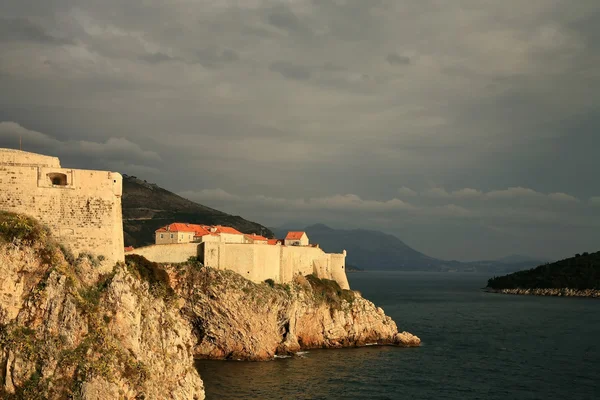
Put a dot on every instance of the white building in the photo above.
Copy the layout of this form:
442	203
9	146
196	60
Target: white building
296	239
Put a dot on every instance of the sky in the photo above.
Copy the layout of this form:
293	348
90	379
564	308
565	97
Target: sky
470	129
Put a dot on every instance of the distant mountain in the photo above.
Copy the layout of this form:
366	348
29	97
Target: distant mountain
581	272
369	249
147	207
374	250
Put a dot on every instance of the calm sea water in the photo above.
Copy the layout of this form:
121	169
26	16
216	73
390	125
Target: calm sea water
476	345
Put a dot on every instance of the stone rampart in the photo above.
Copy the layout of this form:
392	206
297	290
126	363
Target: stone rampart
255	262
167	253
258	262
82	208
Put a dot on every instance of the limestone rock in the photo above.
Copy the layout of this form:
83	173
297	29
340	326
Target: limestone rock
67	332
407	339
234	318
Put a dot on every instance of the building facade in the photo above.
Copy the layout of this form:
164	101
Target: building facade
296	239
252	256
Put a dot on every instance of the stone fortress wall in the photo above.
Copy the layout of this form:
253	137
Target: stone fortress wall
82	208
256	262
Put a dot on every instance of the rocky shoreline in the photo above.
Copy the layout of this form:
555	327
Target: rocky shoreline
563	292
237	319
71	329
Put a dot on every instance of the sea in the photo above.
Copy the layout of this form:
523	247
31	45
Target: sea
475	345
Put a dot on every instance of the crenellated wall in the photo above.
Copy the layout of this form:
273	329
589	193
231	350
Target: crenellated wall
82	208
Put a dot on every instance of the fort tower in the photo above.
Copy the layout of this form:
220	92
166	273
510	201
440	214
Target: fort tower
82	208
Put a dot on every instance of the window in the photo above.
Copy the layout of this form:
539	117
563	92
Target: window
161	235
57	179
171	236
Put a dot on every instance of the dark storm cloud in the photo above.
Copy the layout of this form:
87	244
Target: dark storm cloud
213	57
395	59
291	71
468	128
22	29
285	19
157	57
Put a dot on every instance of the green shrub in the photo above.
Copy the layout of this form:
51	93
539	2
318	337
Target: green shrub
35	388
21	227
27	231
194	262
329	291
270	282
90	297
153	273
67	253
93	260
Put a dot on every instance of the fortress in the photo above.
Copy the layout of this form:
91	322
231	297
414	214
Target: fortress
254	257
82	208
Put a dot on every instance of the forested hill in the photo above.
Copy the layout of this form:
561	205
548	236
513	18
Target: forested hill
147	207
580	272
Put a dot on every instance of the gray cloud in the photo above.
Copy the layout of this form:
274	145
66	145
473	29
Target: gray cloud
291	71
285	19
23	29
157	57
213	57
395	59
493	138
114	153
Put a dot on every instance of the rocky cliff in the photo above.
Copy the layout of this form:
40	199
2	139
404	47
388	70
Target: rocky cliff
70	328
234	318
68	331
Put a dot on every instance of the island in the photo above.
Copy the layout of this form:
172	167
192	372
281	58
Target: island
577	276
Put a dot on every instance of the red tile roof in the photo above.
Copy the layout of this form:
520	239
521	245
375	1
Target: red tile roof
227	229
128	248
294	235
199	230
273	241
257	237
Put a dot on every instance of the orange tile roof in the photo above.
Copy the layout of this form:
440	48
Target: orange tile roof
273	241
294	235
227	229
199	230
128	248
257	237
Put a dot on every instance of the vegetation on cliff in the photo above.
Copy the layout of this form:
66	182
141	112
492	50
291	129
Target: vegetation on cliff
235	318
70	330
581	272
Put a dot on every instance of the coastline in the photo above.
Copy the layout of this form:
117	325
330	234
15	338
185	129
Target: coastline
563	292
